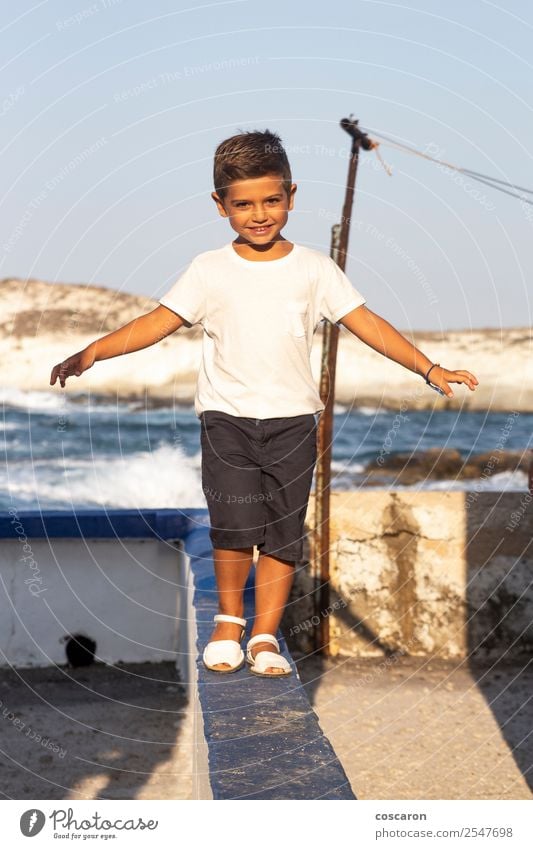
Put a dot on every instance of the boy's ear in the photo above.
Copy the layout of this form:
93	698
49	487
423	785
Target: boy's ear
291	195
220	204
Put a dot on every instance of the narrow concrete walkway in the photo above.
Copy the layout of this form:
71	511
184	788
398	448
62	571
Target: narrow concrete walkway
413	728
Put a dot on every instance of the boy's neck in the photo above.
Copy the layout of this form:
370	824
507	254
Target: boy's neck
262	253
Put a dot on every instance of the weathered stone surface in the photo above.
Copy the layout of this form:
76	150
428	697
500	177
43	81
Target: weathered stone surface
422	573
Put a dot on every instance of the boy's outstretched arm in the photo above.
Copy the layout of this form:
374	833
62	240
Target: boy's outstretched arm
139	333
375	331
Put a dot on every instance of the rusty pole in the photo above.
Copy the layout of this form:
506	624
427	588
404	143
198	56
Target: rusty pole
321	535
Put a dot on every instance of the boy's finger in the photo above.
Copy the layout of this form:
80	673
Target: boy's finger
63	373
468	375
468	378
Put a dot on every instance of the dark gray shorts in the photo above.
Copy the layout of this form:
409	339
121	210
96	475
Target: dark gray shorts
256	477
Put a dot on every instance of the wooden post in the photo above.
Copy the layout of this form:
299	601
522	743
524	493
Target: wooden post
321	535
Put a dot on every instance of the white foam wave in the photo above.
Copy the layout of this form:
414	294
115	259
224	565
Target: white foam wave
57	402
164	477
37	401
343	410
370	411
502	482
345	467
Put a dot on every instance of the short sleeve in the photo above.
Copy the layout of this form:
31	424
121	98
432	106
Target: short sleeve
339	297
187	296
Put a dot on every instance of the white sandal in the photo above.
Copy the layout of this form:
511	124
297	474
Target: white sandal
225	651
265	659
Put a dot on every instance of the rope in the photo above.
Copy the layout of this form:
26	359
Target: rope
387	168
493	182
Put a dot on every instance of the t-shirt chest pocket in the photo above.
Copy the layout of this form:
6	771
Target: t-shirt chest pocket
296	315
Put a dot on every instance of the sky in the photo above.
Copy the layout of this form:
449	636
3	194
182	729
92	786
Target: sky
111	112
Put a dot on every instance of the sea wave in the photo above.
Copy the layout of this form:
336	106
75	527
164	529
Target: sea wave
353	409
58	402
164	477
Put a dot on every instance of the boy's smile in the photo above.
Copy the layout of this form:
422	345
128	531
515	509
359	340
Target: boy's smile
258	209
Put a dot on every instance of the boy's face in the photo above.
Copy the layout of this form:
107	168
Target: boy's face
258	209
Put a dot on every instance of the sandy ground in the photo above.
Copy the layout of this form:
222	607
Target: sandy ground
408	729
123	733
419	729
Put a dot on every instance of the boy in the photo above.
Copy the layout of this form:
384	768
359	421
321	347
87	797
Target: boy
259	300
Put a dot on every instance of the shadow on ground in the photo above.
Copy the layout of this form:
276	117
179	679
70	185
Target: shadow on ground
424	727
97	732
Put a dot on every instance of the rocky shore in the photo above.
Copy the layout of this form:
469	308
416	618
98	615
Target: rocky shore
42	323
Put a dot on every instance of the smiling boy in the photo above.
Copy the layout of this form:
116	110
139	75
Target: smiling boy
259	300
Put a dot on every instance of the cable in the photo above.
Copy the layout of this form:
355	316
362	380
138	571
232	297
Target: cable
495	180
475	175
500	189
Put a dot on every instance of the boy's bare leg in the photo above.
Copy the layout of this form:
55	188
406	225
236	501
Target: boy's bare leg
232	567
273	581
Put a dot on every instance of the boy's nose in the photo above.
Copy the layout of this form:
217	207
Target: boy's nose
259	215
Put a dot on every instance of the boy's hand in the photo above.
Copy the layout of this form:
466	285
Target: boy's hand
441	377
74	365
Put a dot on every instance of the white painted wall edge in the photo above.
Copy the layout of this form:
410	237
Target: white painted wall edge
187	667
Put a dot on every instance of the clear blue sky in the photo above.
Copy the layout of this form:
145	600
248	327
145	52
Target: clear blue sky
111	112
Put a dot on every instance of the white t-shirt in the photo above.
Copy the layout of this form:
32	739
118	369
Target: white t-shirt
258	320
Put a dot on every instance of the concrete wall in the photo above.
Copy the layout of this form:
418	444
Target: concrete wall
445	573
124	593
424	573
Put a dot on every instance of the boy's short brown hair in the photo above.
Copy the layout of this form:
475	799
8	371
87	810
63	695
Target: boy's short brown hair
250	154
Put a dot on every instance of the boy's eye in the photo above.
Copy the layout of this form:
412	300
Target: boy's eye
242	203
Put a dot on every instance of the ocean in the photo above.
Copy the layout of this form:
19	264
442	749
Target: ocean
63	452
